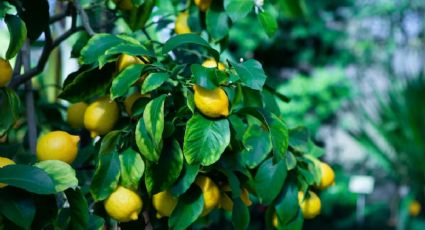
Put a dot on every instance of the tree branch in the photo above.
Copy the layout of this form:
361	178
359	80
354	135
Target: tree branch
43	58
84	18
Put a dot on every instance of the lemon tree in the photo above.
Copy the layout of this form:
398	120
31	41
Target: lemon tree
158	126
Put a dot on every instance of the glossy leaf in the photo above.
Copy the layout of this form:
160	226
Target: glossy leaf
204	77
18	207
145	143
240	215
154	81
29	178
106	176
161	176
132	168
18	34
251	73
125	79
79	209
62	174
216	16
153	117
268	22
237	9
257	143
87	84
269	180
287	207
97	46
186	178
279	136
184	39
10	106
188	209
205	140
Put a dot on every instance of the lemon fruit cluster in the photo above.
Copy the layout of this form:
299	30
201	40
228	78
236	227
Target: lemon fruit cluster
123	205
181	26
164	203
310	204
57	145
203	5
5	72
212	103
3	162
75	115
101	116
328	176
210	192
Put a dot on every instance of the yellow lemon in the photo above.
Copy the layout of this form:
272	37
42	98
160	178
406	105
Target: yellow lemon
203	4
75	115
415	208
124	4
210	192
310	206
3	162
328	176
211	63
129	101
226	202
123	205
57	145
181	26
5	72
126	60
101	116
212	103
164	203
275	221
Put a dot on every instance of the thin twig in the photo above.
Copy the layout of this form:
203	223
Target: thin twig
29	99
43	58
84	18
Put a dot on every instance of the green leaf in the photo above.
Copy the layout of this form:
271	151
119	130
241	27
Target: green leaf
154	81
216	16
95	222
106	176
161	176
62	174
279	136
10	106
287	207
268	22
132	168
110	142
291	161
79	209
205	140
204	77
291	8
188	209
29	178
237	9
257	143
18	207
251	74
269	180
125	80
184	39
299	139
97	47
18	34
87	84
240	214
186	178
35	14
153	117
130	49
145	143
